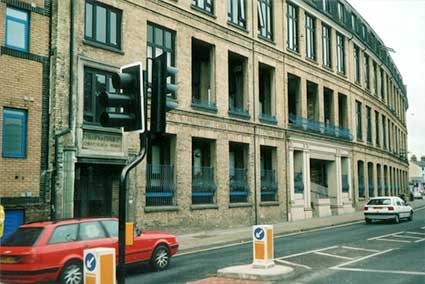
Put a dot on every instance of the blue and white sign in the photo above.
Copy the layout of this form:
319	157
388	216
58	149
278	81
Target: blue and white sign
90	262
259	234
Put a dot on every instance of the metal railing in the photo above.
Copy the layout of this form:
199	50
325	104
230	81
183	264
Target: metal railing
160	185
268	185
298	182
345	184
204	103
319	127
238	111
203	185
361	186
371	189
238	185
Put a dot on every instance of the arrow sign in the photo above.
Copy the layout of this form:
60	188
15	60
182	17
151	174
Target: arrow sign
90	262
259	234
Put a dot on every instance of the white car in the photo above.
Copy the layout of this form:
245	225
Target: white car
387	208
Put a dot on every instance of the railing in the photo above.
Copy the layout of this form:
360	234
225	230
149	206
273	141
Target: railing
345	184
319	127
160	186
386	190
361	186
238	111
298	182
319	191
371	189
203	185
379	189
268	185
238	185
205	104
268	118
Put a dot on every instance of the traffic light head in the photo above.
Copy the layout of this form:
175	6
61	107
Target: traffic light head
160	90
125	109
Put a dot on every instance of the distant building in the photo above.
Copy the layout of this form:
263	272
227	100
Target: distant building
417	172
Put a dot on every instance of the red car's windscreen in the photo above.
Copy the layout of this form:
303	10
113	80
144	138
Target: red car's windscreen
23	237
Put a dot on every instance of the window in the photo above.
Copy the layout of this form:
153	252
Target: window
382	84
325	5
14	142
95	81
366	70
377	140
63	234
310	31
356	64
203	94
265	19
375	79
292	15
359	121
102	24
341	11
91	231
340	53
17	29
267	105
160	40
237	85
205	5
236	12
369	124
326	46
23	237
353	22
364	31
111	227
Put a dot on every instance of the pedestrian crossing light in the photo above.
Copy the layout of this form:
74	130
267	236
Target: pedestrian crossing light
126	107
163	77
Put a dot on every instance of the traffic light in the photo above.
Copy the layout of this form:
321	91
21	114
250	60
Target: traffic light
160	90
126	108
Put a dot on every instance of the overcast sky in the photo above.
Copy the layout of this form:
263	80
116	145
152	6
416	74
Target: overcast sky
401	25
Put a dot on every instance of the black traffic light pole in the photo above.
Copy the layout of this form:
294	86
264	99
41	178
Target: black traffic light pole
122	208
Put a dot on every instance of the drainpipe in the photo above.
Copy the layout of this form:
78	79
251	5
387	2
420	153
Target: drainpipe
70	113
254	115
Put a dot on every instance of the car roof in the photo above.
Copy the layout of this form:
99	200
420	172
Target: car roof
62	222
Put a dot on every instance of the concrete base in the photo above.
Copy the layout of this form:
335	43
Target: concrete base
322	207
248	272
297	210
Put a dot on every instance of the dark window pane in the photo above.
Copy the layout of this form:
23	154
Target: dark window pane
158	37
63	234
100	24
23	237
87	92
150	33
91	231
89	20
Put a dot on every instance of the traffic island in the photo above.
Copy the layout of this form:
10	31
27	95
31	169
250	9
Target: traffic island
248	272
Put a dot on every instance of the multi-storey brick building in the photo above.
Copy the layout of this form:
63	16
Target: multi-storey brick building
24	107
286	110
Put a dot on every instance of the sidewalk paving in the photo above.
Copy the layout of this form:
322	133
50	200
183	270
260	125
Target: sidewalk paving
219	237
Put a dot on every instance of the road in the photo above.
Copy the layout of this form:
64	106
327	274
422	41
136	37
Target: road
358	253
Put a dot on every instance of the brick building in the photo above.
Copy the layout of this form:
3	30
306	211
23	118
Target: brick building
24	107
286	110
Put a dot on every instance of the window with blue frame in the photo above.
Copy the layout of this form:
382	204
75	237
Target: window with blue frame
17	29
14	140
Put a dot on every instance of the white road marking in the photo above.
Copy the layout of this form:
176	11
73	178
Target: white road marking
291	263
353	248
380	271
378	237
423	228
416	233
361	259
392	240
333	255
418	241
307	252
407	237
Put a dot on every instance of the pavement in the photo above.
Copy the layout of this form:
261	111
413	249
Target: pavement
217	238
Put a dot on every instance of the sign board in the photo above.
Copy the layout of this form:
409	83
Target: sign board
262	240
99	266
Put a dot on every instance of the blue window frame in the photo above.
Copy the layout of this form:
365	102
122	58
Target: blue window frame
17	29
14	140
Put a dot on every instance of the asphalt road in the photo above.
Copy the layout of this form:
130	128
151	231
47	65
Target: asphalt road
359	253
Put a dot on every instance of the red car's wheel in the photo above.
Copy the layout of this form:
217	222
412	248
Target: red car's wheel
160	258
72	273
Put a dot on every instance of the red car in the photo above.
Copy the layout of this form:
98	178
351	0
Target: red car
53	251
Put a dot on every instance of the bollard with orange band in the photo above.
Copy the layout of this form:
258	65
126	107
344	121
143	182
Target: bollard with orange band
99	266
262	246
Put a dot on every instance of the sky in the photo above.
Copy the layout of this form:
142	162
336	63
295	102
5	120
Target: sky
401	25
